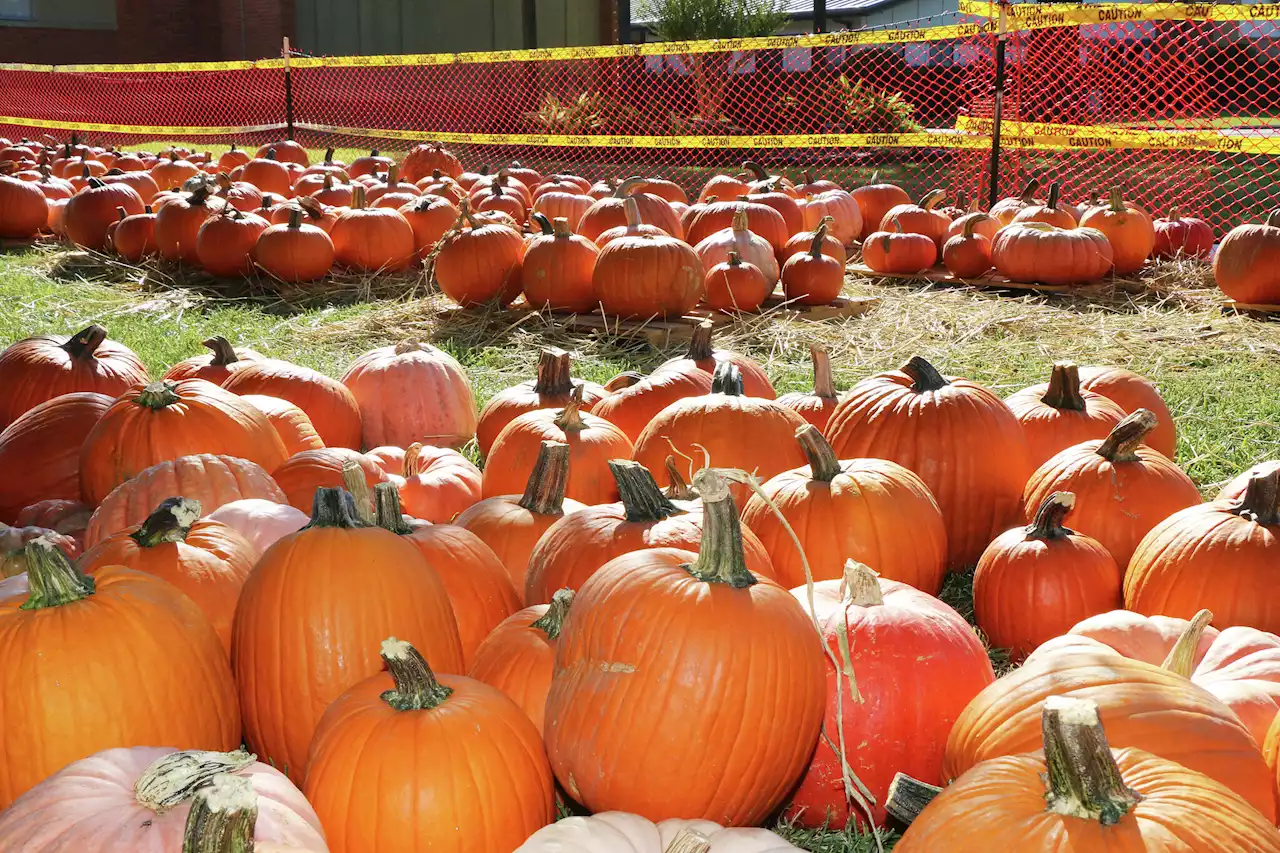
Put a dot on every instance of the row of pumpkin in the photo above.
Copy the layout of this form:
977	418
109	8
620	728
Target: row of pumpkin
565	580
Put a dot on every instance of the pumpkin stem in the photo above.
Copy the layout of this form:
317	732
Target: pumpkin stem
727	379
553	373
925	377
755	169
1049	517
932	199
121	213
412	454
1029	192
1181	659
819	235
334	508
544	493
295	218
1116	201
624	189
700	343
1054	189
328	157
171	522
223	817
570	417
1260	499
358	199
908	797
223	352
386	501
158	395
544	224
735	260
823	385
641	498
720	557
175	778
740	219
83	343
416	686
689	841
1273	219
632	211
1122	444
552	621
860	586
677	488
1083	780
560	227
875	179
53	580
1064	388
823	463
358	487
970	221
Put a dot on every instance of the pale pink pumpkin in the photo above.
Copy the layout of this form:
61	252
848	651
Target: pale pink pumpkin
261	522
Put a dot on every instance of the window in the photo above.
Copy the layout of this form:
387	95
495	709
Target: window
15	10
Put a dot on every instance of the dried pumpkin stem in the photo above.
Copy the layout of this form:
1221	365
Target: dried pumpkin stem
1054	191
700	343
642	500
554	377
1116	200
1083	779
551	622
334	508
689	841
223	352
823	462
823	385
52	579
223	817
1064	388
678	489
173	779
358	487
544	493
924	376
1029	191
1260	499
755	169
171	522
570	417
815	246
416	686
727	380
860	586
908	797
387	512
1122	444
1049	517
1181	659
82	344
720	555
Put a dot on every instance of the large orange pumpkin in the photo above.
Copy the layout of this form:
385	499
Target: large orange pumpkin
479	262
1127	229
122	640
309	617
630	408
817	405
898	252
23	209
1059	413
868	510
923	218
874	200
703	356
295	251
412	392
305	473
268	173
734	285
90	211
646	276
762	221
1123	488
372	239
225	242
1247	261
222	360
290	423
1037	253
1132	392
489	787
330	405
40	451
760	730
611	212
178	223
955	434
557	269
552	389
165	420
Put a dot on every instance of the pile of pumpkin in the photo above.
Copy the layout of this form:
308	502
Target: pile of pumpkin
235	552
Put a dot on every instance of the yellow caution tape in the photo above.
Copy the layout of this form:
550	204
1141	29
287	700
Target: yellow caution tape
1075	137
148	67
147	130
1029	16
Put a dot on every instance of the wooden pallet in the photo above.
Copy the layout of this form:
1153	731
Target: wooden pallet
942	278
1231	306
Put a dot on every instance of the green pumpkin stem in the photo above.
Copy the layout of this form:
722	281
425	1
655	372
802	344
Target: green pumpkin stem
416	686
334	508
700	348
727	379
720	555
52	579
1260	500
174	778
1083	779
908	797
642	500
84	343
1181	659
554	376
1122	444
551	622
1063	392
544	493
223	817
387	512
824	465
924	376
158	395
1053	511
170	522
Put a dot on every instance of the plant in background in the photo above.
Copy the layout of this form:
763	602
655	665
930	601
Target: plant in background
589	111
870	110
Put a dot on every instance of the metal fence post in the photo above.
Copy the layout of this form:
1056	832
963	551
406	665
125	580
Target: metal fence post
288	92
997	108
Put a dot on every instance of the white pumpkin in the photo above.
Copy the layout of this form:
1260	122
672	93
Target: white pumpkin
751	247
260	521
622	832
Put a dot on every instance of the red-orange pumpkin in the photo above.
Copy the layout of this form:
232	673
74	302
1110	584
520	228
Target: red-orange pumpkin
968	254
40	451
23	209
648	276
830	245
134	237
813	277
552	389
1132	392
611	212
1050	213
1245	267
1034	252
90	211
703	356
178	224
332	408
224	242
895	251
215	366
875	200
1127	229
1007	208
557	269
294	252
736	285
430	217
922	218
479	262
268	173
1182	237
305	473
435	483
632	407
412	392
372	239
290	423
1060	413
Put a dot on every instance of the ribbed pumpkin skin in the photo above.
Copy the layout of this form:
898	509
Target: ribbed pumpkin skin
291	423
755	381
1245	265
446	482
333	410
56	817
960	440
488	788
630	409
212	480
90	211
480	264
1180	812
1141	706
1132	392
515	450
37	369
40	451
303	473
1050	430
137	647
208	366
310	621
209	566
916	664
25	208
1038	253
644	276
874	201
196	417
622	733
412	392
262	523
178	225
518	658
510	403
511	531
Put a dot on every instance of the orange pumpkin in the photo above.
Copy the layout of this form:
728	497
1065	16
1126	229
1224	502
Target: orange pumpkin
295	429
647	276
40	451
372	239
1132	392
134	237
982	224
840	207
1050	213
830	245
815	406
611	212
632	407
286	151
328	403
897	252
1060	414
232	159
552	389
435	483
90	211
1245	267
479	262
716	248
557	269
23	209
224	242
923	218
1179	237
411	392
725	187
391	185
222	360
874	201
333	193
369	164
241	195
557	200
304	474
1006	209
1033	252
703	356
268	173
173	172
295	251
968	254
762	220
779	194
178	224
735	285
813	277
1127	229
428	157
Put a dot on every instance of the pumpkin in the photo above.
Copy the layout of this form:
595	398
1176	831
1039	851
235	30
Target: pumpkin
512	524
518	657
90	211
1132	392
268	173
212	480
178	224
922	218
286	151
232	158
305	473
897	252
716	248
958	436
735	285
1006	209
563	201
603	760
778	194
611	212
173	172
222	360
372	239
312	212
704	357
40	451
430	217
147	796
845	226
224	242
723	186
830	245
647	276
715	425
1034	252
1123	488
53	188
552	389
631	408
334	193
411	392
479	262
813	277
57	214
557	269
295	429
1032	583
1127	229
982	224
23	209
259	522
1245	266
70	518
391	185
577	545
608	831
1178	237
1050	213
498	199
122	634
165	420
762	220
328	403
1212	555
133	237
427	157
968	254
489	771
308	615
874	201
40	368
869	510
1143	706
370	164
295	251
1060	414
435	483
241	195
817	405
1085	795
901	667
